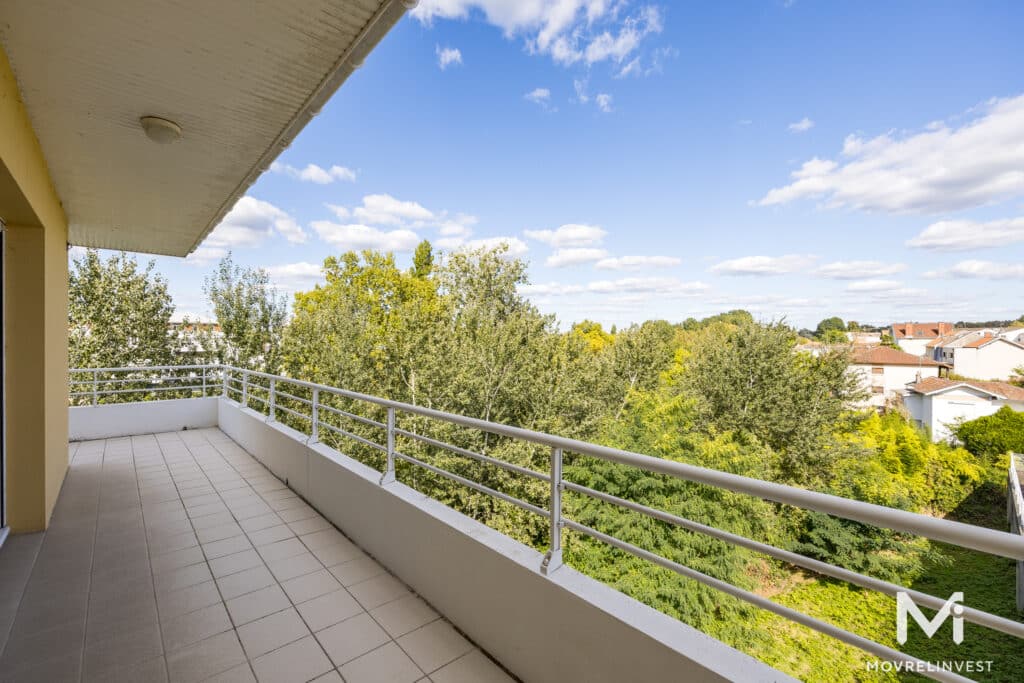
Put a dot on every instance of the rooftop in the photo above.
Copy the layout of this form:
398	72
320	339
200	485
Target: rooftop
885	355
933	385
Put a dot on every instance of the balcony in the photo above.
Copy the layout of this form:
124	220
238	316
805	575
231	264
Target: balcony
178	556
213	535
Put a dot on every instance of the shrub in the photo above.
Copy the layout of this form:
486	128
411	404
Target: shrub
993	435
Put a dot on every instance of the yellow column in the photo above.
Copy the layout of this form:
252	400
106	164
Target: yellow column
35	319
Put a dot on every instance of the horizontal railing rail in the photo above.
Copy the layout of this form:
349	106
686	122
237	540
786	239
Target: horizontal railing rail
264	389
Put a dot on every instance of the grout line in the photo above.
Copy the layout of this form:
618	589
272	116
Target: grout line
149	555
92	556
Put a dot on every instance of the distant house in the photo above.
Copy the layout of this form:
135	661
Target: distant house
914	337
938	403
884	372
988	354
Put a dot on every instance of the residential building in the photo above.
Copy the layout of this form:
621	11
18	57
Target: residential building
884	372
939	403
987	354
914	337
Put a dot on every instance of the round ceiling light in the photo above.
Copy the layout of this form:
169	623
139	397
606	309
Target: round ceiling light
160	130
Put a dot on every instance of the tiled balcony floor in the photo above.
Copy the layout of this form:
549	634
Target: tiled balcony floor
179	557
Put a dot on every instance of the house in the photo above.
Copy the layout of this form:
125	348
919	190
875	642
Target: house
914	337
885	372
937	403
988	354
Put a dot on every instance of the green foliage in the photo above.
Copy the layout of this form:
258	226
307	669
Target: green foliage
833	324
746	378
250	313
993	435
118	314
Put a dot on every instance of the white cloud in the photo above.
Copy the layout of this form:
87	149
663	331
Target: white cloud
515	246
665	286
250	223
541	97
763	265
637	262
356	237
987	270
604	102
293	277
940	168
204	256
569	31
963	235
315	174
857	270
765	303
383	209
569	235
873	285
446	56
581	91
801	126
574	257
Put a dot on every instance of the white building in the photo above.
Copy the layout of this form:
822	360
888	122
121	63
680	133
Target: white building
939	403
988	354
914	337
885	372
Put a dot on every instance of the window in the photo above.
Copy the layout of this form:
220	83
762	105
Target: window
877	371
877	389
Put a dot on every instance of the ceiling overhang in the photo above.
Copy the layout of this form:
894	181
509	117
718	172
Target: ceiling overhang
240	78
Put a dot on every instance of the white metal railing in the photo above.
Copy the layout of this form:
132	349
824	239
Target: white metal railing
266	391
91	386
1015	513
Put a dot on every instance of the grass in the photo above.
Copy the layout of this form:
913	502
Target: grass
986	581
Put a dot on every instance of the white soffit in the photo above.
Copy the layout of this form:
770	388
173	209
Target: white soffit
240	77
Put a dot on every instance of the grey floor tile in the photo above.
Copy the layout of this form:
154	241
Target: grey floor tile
195	626
257	604
378	591
352	638
230	564
246	581
309	586
386	663
189	599
271	632
327	610
474	667
204	659
434	645
285	568
298	662
356	571
401	616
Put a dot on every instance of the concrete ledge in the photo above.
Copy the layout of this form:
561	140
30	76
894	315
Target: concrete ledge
144	417
566	627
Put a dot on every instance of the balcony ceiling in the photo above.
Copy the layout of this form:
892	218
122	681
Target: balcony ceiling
241	78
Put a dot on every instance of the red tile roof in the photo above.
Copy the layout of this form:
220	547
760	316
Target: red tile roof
930	385
885	355
920	330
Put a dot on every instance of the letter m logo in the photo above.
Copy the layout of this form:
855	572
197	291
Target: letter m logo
905	605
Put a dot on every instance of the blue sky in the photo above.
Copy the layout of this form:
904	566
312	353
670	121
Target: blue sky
798	159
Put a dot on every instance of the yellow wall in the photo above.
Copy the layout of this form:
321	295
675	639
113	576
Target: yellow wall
35	296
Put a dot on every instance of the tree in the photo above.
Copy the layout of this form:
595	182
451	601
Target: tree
993	435
747	378
251	315
423	260
829	324
118	315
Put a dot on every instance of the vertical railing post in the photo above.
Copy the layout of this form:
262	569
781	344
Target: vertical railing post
273	400
95	386
553	558
224	381
245	389
204	381
389	468
314	431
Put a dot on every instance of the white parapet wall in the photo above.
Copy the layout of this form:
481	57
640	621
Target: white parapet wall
562	627
148	417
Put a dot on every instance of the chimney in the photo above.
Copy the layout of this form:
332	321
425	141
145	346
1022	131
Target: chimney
945	328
